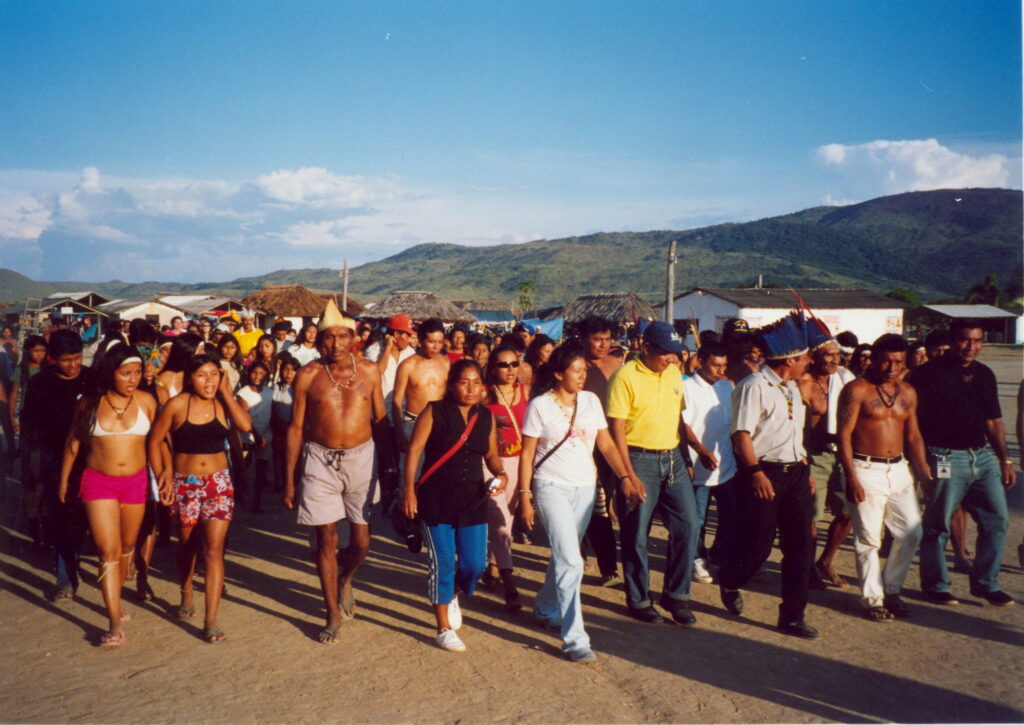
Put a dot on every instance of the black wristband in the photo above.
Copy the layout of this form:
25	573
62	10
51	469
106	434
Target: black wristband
756	468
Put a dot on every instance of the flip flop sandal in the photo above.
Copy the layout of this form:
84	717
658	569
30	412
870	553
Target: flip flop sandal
213	636
185	612
112	639
328	636
61	595
878	614
348	609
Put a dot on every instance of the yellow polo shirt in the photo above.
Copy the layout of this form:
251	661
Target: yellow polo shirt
247	340
651	404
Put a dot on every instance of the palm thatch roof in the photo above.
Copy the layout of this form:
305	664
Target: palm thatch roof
491	304
419	306
293	301
617	306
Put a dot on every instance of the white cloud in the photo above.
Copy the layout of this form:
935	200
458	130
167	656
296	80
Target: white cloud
319	188
890	167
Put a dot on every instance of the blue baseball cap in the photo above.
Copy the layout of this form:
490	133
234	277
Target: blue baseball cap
663	336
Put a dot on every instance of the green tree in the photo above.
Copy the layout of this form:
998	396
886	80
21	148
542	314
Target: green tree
985	293
903	294
527	289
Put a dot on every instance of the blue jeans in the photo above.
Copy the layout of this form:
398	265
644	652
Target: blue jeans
670	494
726	505
458	557
977	485
565	512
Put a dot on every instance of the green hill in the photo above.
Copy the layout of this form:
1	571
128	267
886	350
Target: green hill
937	242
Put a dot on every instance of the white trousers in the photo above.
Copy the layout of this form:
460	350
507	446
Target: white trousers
890	500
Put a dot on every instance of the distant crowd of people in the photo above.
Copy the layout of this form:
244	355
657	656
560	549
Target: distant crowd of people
463	441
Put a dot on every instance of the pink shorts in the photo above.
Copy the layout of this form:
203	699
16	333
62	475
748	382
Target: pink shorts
204	498
131	489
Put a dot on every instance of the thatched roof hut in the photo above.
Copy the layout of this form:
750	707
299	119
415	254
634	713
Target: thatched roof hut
419	306
287	300
619	307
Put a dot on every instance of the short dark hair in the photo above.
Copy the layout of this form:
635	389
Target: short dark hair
592	325
281	326
712	349
936	338
889	342
183	347
63	342
847	339
963	323
431	325
708	336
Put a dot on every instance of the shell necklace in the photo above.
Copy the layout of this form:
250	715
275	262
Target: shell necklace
351	378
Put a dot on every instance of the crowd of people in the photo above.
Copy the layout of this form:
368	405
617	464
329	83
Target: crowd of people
463	441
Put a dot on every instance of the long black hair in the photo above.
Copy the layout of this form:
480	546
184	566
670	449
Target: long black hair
492	362
235	360
102	383
30	342
560	360
532	356
183	348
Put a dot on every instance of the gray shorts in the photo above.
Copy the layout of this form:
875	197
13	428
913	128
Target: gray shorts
338	483
829	484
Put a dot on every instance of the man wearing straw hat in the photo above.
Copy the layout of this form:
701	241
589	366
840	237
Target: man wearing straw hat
337	411
775	493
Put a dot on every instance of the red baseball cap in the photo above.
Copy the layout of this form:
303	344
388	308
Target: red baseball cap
401	323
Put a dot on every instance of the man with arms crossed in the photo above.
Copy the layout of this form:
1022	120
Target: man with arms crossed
959	411
645	405
877	425
337	411
775	492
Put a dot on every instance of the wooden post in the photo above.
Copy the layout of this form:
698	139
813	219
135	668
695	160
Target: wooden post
670	283
344	287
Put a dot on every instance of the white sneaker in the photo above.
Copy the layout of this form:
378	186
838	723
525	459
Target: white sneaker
701	573
454	613
448	640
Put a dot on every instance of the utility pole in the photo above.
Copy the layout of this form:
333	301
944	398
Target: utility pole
670	283
344	286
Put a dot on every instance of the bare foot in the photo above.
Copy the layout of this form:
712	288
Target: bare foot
113	638
186	610
329	634
346	600
829	575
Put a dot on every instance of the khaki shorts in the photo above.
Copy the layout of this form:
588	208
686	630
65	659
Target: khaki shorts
829	485
337	484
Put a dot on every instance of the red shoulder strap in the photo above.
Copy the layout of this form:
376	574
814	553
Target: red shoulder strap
451	451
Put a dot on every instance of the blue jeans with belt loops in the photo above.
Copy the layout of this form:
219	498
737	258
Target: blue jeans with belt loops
669	493
976	484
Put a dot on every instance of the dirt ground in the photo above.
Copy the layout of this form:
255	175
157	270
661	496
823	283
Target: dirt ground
942	665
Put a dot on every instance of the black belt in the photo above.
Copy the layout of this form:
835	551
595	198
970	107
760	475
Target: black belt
780	466
877	459
638	449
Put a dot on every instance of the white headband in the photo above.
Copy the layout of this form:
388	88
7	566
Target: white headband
133	358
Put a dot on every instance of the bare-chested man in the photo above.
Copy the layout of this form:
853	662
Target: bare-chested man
420	380
820	387
878	431
337	410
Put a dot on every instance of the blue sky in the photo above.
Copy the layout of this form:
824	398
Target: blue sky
203	141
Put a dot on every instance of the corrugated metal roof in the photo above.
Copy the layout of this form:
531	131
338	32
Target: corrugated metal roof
822	299
121	305
980	311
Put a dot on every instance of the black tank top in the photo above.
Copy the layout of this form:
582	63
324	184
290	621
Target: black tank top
200	438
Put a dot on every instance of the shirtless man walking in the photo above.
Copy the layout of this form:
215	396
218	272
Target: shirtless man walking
337	411
420	380
820	387
877	433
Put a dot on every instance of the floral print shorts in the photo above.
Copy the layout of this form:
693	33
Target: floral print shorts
204	498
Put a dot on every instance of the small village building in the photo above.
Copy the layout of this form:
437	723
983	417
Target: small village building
626	308
1000	326
90	298
203	305
865	313
152	310
293	303
418	305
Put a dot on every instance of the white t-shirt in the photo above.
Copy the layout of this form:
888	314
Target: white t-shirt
303	354
260	406
573	463
708	412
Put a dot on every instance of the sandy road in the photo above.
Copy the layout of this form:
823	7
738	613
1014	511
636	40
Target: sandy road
943	665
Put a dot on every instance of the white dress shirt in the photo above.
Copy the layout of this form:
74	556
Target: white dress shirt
772	412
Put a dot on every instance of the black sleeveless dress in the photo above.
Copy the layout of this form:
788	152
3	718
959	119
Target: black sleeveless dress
454	494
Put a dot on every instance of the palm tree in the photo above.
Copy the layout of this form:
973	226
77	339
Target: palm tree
986	293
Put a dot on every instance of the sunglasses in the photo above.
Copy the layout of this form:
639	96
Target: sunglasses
506	365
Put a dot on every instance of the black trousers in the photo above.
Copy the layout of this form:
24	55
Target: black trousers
600	535
789	514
